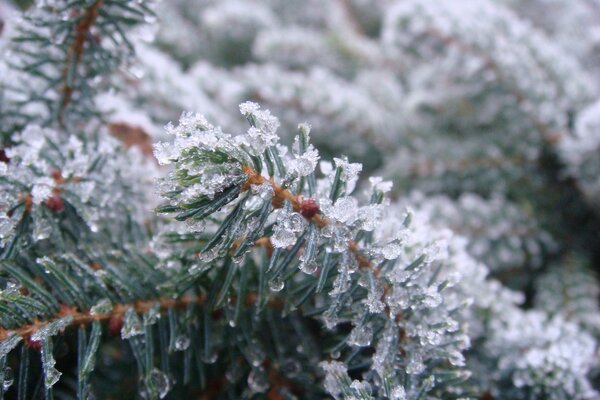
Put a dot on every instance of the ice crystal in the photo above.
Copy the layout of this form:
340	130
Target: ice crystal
51	329
258	381
132	325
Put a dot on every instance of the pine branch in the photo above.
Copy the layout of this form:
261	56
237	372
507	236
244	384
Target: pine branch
80	318
75	53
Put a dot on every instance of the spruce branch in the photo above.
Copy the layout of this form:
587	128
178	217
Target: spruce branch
237	182
80	318
75	54
64	53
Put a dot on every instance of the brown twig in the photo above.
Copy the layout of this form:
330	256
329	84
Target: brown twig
280	195
75	53
81	318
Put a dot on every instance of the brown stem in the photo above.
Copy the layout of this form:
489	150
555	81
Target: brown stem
81	318
280	195
75	53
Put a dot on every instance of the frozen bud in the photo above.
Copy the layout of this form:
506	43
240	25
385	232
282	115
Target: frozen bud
309	208
55	203
3	157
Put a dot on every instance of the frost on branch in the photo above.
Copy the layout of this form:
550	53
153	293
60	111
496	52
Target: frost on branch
500	234
580	153
367	274
49	181
543	357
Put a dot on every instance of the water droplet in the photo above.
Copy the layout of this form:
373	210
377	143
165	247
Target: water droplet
276	284
182	343
210	358
9	378
308	267
391	251
282	236
257	380
159	381
255	353
291	368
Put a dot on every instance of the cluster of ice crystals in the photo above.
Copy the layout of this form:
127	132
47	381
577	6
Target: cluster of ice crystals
51	329
373	300
263	120
261	135
361	336
537	351
132	325
303	164
288	226
56	171
398	393
102	307
344	210
336	377
350	172
51	374
152	316
42	189
7	226
249	108
498	232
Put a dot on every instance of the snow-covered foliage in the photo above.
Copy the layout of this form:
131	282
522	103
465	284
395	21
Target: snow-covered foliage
353	199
